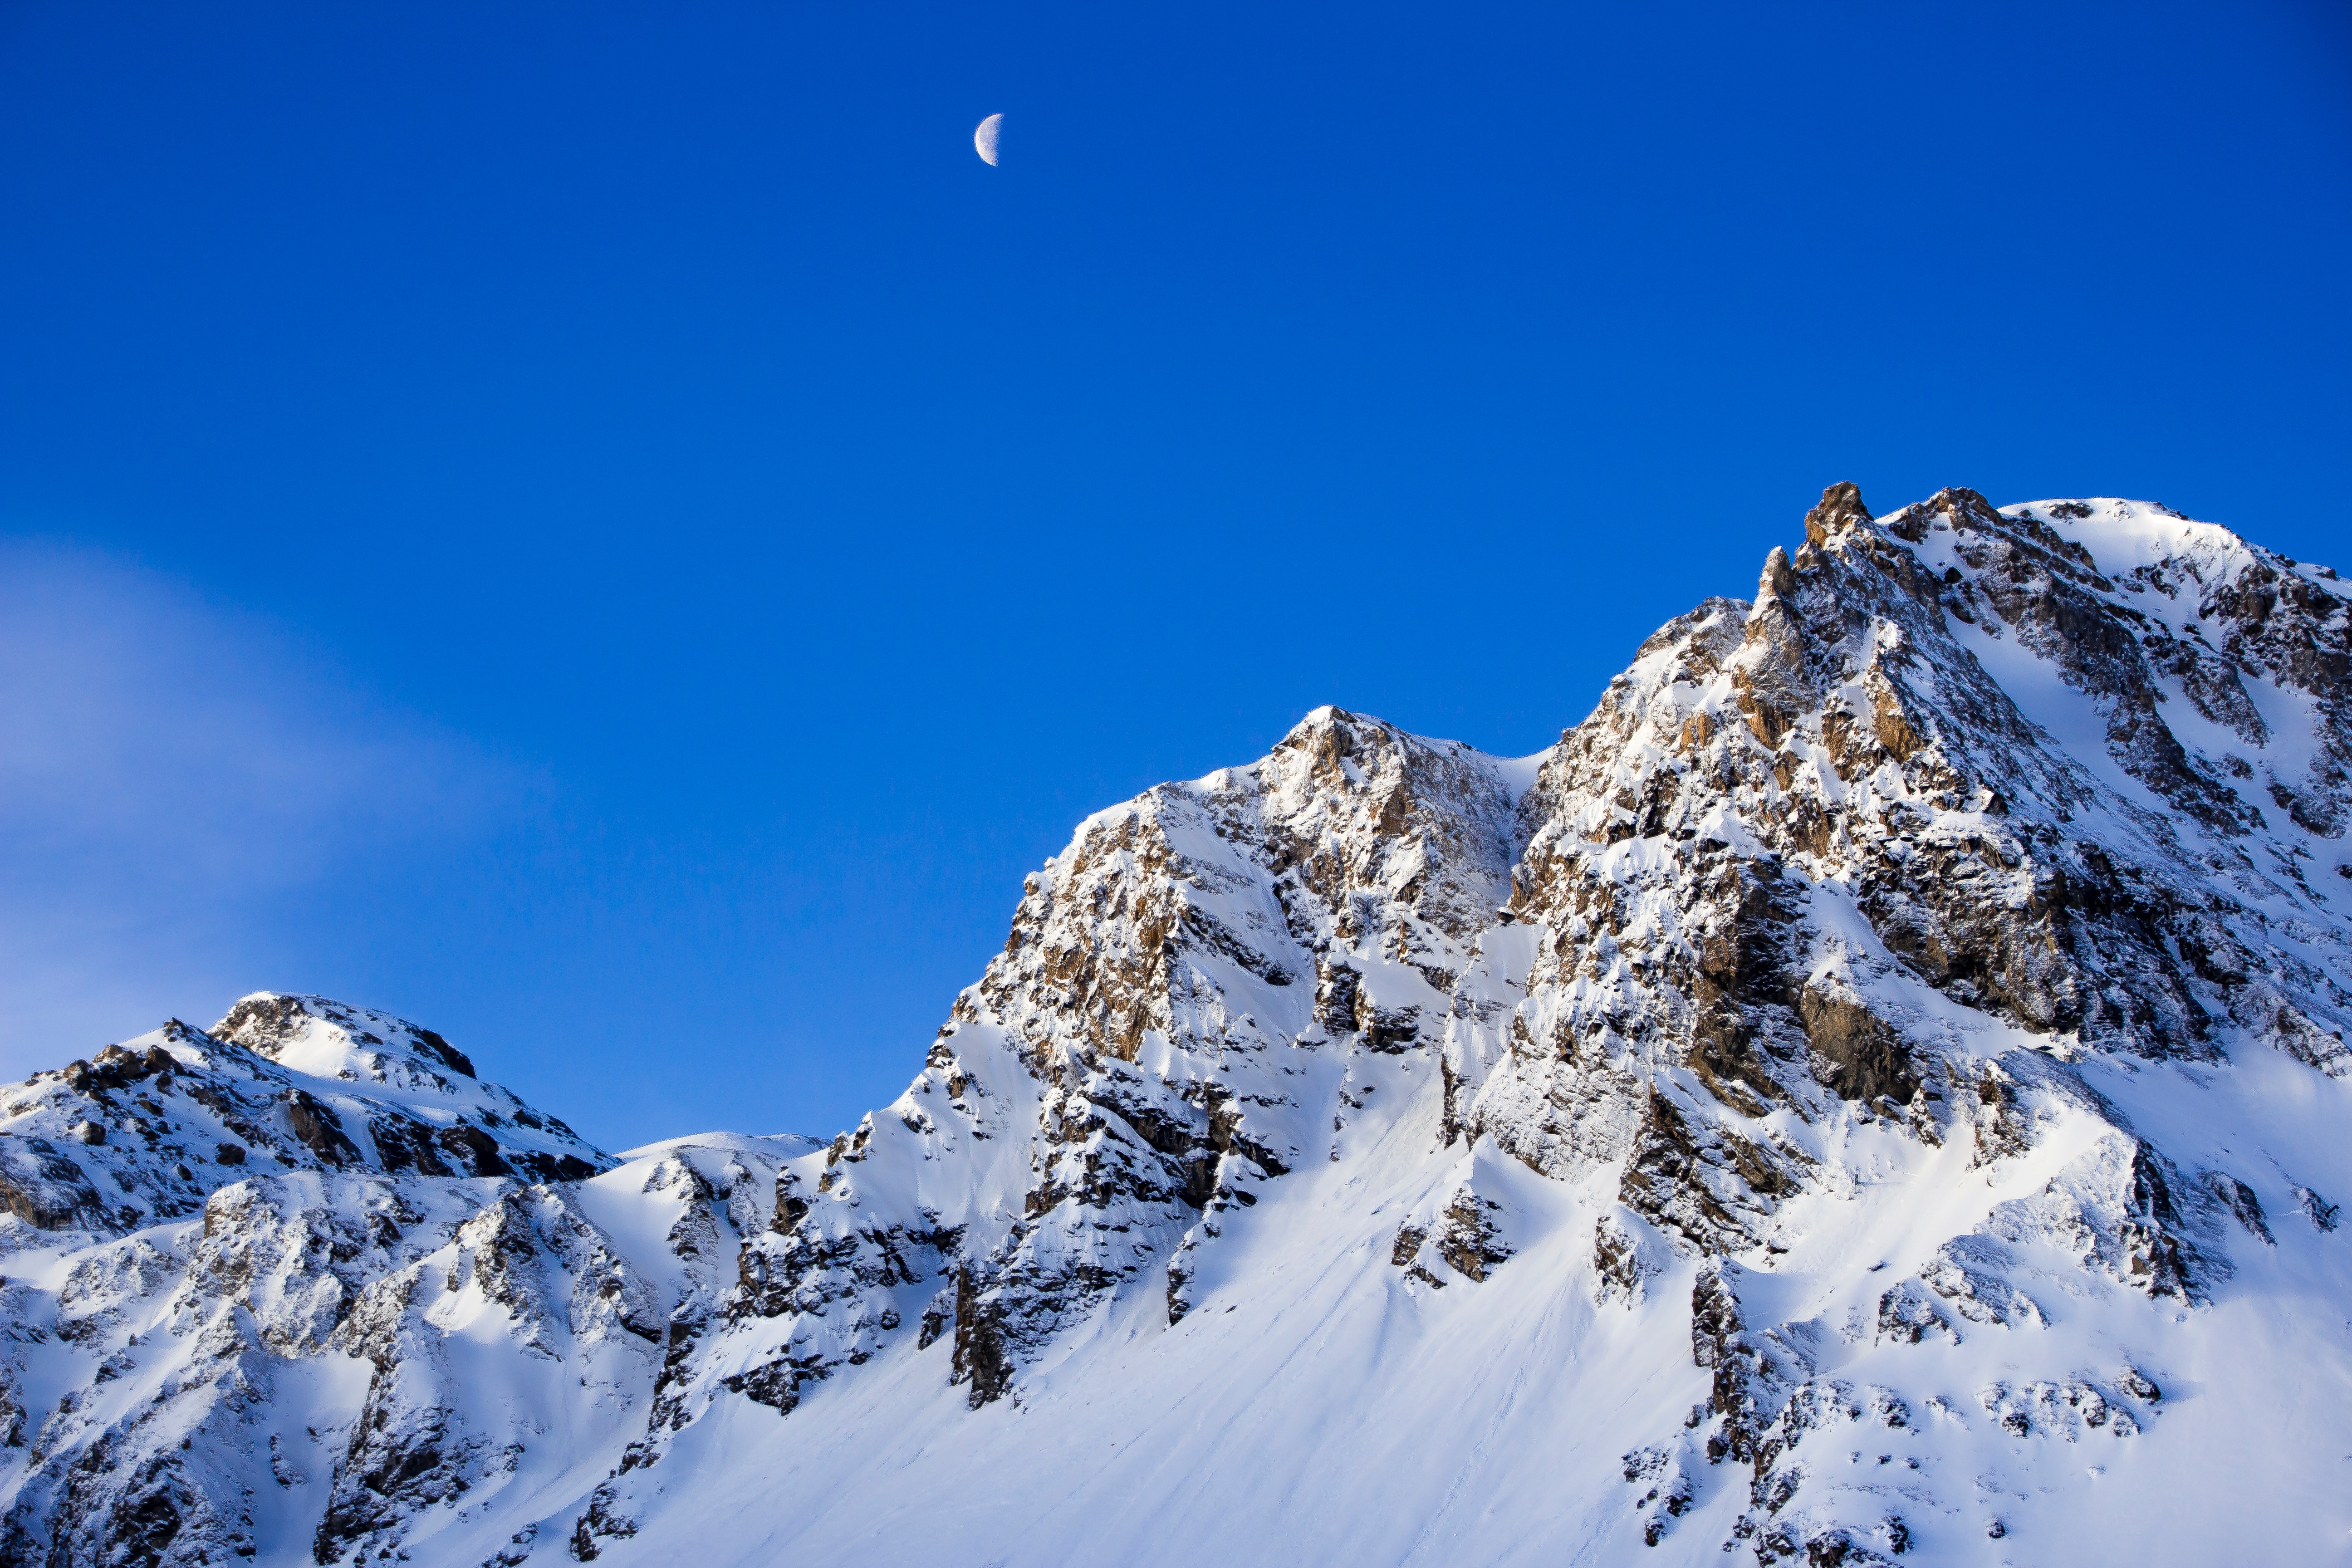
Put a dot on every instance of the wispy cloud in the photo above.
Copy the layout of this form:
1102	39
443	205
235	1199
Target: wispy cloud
174	775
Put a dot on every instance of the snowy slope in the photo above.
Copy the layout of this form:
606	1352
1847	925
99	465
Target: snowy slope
1875	1090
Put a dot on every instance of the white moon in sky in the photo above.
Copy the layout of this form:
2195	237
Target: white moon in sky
983	141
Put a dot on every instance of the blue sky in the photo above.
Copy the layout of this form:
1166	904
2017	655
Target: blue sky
608	531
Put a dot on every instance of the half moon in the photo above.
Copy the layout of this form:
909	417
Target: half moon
983	141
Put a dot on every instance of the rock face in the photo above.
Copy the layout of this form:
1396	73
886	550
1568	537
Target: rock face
1875	1088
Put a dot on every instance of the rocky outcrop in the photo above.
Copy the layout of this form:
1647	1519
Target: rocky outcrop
1893	1021
246	1227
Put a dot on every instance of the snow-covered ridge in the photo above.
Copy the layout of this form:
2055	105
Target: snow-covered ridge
293	1082
1873	1090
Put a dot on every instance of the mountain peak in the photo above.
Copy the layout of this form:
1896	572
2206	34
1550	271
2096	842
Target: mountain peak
1840	509
328	1038
1871	1088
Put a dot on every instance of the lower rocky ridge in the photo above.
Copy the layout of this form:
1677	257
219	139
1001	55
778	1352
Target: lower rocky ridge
1867	1093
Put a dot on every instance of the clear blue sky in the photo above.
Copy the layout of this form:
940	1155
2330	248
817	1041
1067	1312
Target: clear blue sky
608	531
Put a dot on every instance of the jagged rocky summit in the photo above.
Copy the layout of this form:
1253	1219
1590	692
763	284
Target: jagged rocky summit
1875	1090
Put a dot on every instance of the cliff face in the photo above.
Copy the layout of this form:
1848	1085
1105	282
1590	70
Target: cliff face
1874	1089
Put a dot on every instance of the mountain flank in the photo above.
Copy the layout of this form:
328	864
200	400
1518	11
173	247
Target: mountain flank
1875	1090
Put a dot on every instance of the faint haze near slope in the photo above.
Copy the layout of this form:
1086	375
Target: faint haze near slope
196	803
177	775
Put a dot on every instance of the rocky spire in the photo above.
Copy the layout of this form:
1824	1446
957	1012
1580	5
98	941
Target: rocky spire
1840	510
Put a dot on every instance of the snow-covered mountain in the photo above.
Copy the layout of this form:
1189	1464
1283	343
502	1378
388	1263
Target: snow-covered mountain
1877	1089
